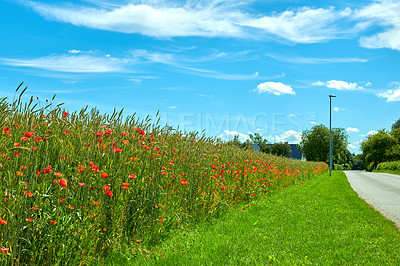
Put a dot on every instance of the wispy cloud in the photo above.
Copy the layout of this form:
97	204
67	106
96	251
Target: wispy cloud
384	13
313	60
276	88
183	63
339	85
70	63
211	18
305	25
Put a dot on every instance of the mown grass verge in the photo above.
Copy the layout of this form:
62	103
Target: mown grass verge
387	172
319	222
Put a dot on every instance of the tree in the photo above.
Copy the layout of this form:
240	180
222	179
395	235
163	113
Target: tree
260	141
358	162
236	140
376	148
315	144
396	124
281	149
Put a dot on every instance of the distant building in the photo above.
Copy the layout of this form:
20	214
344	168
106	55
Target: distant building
255	146
296	153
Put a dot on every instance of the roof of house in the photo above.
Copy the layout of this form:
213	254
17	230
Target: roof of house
296	153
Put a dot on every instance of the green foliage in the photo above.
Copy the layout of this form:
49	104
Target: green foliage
358	162
396	125
260	141
281	149
338	167
377	148
315	144
395	166
78	187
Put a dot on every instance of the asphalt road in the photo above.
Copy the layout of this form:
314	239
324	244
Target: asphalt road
381	191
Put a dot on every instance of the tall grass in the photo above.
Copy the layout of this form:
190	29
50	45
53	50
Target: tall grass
80	185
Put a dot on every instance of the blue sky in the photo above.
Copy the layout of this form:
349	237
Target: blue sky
222	67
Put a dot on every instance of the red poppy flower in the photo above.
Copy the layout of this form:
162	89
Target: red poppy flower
132	176
96	203
28	193
104	175
117	150
81	184
184	182
106	188
52	222
24	139
98	134
29	220
3	221
63	182
160	220
65	114
108	132
214	166
4	250
28	134
109	193
125	188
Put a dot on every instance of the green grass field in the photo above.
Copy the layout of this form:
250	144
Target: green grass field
319	222
387	171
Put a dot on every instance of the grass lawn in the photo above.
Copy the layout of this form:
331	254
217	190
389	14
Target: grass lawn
319	222
387	171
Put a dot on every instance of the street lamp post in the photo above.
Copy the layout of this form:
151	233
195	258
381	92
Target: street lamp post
330	133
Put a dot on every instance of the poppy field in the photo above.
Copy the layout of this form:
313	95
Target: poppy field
78	186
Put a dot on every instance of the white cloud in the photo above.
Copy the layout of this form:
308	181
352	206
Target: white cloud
200	18
352	129
351	146
338	109
312	123
371	132
259	129
74	51
390	95
384	13
290	136
76	63
172	107
276	88
339	85
228	135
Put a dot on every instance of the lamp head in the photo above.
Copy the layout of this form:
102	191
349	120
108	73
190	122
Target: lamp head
332	96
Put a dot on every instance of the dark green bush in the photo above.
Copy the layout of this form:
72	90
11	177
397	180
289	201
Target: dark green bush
394	166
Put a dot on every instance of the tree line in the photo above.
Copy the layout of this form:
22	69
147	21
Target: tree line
279	149
383	146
